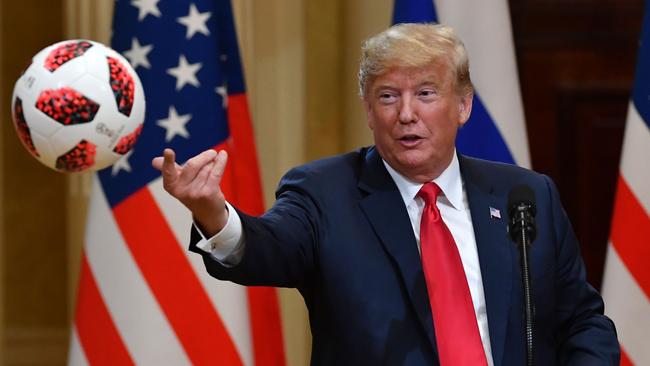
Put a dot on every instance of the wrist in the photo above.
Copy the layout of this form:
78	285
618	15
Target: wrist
211	224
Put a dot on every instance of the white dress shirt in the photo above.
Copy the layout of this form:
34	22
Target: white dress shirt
454	209
227	245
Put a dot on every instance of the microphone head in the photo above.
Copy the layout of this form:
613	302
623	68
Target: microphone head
521	209
521	194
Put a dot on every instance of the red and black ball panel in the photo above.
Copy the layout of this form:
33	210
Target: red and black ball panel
79	158
122	85
22	128
65	53
127	141
67	106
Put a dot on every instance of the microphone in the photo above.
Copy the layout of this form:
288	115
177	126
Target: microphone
521	209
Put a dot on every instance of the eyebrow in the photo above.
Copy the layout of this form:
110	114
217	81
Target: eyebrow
427	82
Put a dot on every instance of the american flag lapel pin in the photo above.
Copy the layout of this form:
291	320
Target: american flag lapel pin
494	213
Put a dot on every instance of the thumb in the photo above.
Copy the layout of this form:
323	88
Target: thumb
169	167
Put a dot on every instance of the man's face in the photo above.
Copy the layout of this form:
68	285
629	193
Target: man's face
414	114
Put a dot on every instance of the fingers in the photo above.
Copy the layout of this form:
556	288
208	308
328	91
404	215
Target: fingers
159	161
219	166
169	168
216	173
193	166
205	169
202	178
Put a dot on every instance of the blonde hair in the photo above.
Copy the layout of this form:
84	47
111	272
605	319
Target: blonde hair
414	45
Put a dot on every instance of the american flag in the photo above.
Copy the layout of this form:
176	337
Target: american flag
494	213
496	129
626	285
143	299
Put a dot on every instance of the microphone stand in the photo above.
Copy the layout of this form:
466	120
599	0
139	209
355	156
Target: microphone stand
528	302
526	230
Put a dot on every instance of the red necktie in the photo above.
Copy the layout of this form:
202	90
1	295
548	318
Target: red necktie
457	335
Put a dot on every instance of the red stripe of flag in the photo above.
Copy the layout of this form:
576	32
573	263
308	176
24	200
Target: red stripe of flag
173	281
244	157
227	185
98	336
631	234
266	327
264	312
625	360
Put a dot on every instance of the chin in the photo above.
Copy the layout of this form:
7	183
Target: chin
412	159
411	168
417	167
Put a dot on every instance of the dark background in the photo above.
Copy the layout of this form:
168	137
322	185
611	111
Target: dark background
576	61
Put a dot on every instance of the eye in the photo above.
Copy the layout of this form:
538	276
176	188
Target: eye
427	93
387	97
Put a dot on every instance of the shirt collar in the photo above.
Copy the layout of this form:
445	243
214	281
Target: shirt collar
449	181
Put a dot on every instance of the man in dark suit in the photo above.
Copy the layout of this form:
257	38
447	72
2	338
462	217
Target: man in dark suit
385	280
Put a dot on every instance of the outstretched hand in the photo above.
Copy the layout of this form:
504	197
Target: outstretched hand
196	185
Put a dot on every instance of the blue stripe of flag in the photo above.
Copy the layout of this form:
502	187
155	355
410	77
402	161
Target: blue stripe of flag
480	136
641	92
414	11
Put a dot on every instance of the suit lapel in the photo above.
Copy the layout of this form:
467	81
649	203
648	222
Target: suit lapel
384	208
494	251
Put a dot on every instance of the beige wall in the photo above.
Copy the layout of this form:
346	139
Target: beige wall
34	261
300	60
3	113
363	19
272	45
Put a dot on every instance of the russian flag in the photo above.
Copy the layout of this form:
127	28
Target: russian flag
496	129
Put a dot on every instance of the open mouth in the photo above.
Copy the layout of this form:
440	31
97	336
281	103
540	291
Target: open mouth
409	140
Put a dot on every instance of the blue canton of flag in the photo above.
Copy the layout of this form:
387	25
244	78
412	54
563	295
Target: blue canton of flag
496	129
187	61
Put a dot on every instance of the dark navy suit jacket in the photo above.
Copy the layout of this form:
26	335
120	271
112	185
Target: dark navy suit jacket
340	233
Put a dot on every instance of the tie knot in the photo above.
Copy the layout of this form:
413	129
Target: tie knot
429	193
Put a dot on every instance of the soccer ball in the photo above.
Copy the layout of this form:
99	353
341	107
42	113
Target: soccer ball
78	107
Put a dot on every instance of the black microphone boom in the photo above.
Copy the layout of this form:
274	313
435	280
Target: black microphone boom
521	210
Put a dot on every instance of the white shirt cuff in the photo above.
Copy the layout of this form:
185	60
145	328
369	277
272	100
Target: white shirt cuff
226	246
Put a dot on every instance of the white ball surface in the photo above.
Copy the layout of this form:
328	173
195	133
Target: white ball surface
79	106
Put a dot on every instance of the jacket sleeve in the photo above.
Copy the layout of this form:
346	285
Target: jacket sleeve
279	246
585	336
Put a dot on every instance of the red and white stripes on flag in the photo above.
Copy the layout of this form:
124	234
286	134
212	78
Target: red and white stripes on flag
153	304
626	285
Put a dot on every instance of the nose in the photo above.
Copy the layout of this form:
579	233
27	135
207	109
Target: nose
406	110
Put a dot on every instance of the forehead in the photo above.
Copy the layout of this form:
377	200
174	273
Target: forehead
437	73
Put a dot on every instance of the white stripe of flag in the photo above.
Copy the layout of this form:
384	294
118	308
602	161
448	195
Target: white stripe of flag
628	307
230	299
139	319
635	158
487	35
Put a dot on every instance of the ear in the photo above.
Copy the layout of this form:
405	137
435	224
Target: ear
465	108
367	106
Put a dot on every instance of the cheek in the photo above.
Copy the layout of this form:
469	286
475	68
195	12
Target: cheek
379	119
